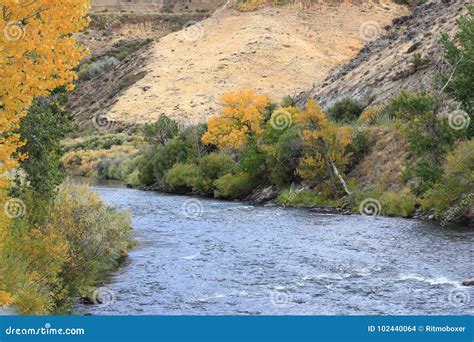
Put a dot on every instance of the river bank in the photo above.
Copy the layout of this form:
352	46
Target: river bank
268	197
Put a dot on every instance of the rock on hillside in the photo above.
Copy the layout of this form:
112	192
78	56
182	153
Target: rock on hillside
279	51
407	57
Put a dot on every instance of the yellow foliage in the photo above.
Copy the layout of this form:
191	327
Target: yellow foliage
37	55
242	116
33	262
85	162
369	115
323	140
5	298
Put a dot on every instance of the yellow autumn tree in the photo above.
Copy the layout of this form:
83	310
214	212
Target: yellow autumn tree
37	55
325	146
243	116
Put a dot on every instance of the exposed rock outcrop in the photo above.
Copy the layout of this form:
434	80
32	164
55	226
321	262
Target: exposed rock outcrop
407	56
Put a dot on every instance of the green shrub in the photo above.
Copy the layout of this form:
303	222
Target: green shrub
234	186
282	152
134	178
305	198
97	142
175	151
193	136
144	166
346	110
161	131
212	167
182	177
50	264
31	261
398	203
426	175
401	203
45	124
428	135
252	160
216	165
448	197
460	54
359	146
97	236
97	68
121	55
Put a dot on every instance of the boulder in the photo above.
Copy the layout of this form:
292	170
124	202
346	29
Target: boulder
469	282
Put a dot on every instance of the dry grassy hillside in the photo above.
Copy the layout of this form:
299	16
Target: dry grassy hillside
407	57
155	6
276	50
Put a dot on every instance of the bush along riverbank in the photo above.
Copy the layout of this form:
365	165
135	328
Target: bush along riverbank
372	161
61	238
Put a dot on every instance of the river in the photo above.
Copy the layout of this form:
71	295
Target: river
209	257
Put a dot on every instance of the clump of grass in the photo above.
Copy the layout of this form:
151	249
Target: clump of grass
389	203
305	198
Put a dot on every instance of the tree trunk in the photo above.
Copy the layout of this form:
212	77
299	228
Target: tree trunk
343	182
332	169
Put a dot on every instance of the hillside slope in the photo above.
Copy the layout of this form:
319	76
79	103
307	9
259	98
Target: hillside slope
407	57
279	51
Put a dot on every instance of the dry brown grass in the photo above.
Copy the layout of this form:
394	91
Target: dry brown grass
84	162
383	166
279	51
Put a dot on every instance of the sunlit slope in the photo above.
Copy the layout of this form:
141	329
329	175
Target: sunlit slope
278	51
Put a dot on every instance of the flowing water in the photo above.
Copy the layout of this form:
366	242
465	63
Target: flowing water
209	257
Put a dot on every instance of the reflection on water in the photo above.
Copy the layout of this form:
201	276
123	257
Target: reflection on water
209	257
